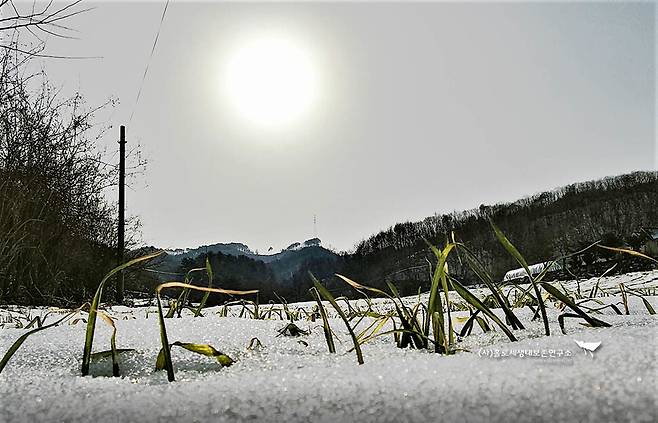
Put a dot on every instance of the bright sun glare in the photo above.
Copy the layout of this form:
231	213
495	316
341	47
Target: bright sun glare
270	81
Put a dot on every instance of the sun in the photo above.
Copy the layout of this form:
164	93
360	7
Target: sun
270	81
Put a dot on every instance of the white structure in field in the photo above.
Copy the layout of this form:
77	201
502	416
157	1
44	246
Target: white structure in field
535	269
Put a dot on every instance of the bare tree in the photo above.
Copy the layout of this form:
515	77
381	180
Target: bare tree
57	229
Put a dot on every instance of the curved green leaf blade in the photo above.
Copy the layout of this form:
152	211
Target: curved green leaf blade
475	302
91	321
327	296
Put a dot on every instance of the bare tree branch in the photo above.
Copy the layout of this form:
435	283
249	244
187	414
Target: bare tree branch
37	22
50	56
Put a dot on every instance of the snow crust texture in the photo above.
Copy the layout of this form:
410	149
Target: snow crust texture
292	381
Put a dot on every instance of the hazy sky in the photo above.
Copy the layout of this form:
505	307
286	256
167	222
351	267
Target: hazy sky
420	109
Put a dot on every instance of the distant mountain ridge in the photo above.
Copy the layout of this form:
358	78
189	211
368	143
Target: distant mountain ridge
233	248
284	263
239	249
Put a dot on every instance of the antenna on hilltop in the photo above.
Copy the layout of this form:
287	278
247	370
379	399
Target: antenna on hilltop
315	226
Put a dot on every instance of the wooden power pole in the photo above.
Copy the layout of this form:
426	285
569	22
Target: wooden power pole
122	217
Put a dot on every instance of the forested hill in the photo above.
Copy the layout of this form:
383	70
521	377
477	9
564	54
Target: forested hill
235	266
542	226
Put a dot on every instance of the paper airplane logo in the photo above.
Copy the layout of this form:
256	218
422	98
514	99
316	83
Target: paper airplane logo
588	347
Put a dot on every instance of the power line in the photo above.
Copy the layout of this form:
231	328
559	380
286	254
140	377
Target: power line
148	63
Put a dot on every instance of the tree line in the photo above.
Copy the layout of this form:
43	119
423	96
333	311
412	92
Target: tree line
545	226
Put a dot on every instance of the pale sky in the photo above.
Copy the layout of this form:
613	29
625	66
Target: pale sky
417	109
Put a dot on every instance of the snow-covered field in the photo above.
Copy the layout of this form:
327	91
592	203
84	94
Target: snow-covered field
295	379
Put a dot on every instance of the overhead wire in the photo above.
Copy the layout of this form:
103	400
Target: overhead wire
148	62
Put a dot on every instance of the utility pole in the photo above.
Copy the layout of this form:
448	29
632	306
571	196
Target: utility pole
122	221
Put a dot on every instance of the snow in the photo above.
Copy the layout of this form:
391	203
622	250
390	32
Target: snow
535	269
288	381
